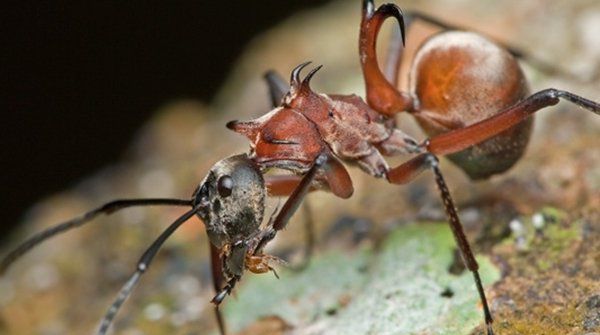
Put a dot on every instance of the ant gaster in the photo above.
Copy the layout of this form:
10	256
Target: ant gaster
466	92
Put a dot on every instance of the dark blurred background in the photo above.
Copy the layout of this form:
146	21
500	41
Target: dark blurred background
72	70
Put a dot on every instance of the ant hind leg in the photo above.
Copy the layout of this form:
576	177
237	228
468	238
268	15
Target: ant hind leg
408	171
462	138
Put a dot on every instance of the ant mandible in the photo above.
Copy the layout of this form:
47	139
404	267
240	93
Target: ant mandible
466	92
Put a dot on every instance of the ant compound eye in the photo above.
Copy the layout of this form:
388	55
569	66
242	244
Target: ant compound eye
225	186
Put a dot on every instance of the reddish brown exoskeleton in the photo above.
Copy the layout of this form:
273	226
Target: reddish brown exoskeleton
467	93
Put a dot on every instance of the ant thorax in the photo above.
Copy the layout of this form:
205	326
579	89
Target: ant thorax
306	124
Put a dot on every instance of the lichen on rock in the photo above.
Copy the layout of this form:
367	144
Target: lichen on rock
403	288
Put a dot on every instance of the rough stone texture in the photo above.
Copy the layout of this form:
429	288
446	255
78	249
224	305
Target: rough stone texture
549	280
403	288
552	279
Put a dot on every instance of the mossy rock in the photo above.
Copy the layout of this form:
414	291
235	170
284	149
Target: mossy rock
403	288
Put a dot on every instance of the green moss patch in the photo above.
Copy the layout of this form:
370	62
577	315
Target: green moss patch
404	288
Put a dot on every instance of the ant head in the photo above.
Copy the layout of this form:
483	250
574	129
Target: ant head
232	200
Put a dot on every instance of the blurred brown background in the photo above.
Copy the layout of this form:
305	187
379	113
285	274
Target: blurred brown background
72	70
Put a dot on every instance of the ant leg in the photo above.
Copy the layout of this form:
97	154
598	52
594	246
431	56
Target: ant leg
408	171
142	266
309	234
282	186
404	174
382	95
335	177
278	87
107	209
338	181
293	202
460	139
461	240
309	226
217	279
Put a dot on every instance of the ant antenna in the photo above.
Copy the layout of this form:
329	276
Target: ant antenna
107	209
142	266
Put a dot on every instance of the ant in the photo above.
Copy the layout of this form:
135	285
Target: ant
466	92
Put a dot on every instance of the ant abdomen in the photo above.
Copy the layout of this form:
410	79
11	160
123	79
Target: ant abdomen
460	78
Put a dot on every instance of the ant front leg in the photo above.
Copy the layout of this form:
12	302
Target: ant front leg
292	203
407	172
338	181
325	168
335	178
284	185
